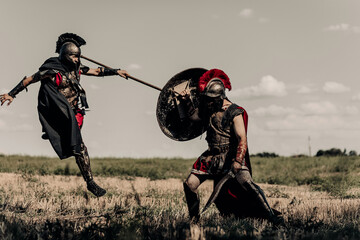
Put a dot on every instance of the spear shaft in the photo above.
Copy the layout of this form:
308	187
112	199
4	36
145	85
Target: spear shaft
129	76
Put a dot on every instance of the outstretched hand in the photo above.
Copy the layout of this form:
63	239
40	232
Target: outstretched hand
6	97
123	73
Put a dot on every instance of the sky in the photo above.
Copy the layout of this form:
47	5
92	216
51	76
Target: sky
293	65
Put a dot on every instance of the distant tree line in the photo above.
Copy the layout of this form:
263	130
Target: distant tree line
265	155
330	152
335	152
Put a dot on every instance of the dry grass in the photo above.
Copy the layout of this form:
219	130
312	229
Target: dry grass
51	207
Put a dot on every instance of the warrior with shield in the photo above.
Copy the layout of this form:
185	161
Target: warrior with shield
62	102
198	104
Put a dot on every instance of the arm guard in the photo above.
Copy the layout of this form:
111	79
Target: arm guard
108	71
240	153
84	69
17	89
186	107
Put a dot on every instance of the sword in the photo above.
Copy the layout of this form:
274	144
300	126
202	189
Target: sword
217	189
264	198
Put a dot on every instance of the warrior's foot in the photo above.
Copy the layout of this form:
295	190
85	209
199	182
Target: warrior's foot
277	220
95	189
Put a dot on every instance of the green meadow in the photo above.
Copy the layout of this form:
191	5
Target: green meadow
335	175
46	198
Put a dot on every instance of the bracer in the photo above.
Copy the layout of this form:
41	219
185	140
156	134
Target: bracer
240	153
18	88
108	71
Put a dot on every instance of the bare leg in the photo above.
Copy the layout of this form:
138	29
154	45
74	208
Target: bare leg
193	182
192	198
83	161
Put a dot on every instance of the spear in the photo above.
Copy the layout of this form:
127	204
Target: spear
129	76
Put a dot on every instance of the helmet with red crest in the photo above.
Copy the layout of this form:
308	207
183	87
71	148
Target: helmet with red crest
213	83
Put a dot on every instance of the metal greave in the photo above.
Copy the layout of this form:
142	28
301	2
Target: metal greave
255	192
83	161
193	203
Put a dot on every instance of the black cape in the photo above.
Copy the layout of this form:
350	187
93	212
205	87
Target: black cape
56	115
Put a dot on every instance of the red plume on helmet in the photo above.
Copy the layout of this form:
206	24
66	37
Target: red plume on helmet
214	73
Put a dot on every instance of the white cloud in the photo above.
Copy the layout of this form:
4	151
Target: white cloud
343	27
356	97
314	116
334	87
273	110
351	110
259	129
294	122
133	66
310	108
246	13
268	86
318	108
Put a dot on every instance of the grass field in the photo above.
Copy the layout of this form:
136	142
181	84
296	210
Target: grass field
43	198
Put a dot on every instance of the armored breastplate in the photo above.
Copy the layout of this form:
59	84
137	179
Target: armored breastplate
218	135
220	132
67	88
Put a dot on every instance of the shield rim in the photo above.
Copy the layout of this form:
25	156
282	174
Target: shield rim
178	77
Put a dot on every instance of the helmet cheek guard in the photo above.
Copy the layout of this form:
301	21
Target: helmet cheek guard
68	49
213	97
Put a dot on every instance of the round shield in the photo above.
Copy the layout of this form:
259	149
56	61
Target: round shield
169	112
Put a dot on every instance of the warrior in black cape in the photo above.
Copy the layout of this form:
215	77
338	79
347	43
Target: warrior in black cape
62	102
226	134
